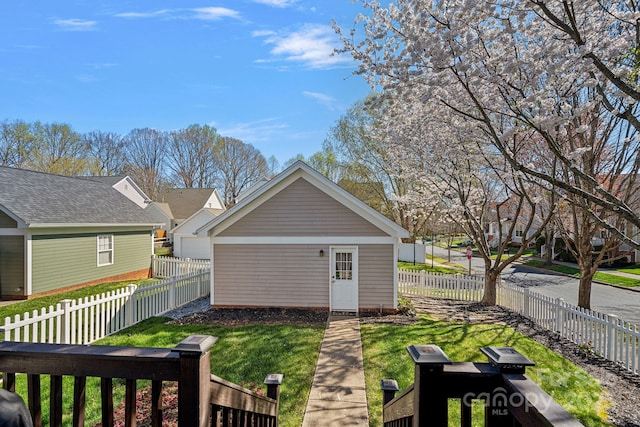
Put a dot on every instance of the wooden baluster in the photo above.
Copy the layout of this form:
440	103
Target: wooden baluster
9	381
106	386
156	404
79	400
130	403
55	401
35	399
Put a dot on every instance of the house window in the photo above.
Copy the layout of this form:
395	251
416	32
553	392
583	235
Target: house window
105	249
519	230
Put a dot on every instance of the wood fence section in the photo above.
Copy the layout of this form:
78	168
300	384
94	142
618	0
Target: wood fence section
605	334
164	267
188	363
88	319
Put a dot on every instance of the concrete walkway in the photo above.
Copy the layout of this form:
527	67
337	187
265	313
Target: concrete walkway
338	396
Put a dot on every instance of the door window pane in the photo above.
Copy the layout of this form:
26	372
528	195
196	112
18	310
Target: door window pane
344	265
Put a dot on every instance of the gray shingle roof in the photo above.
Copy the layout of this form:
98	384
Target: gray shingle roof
41	198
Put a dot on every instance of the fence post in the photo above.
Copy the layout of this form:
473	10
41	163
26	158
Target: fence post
430	405
131	306
612	336
559	305
195	377
526	303
153	265
423	282
273	382
66	321
172	294
389	389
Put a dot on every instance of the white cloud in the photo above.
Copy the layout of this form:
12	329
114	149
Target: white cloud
262	33
252	132
328	101
312	45
154	14
75	24
215	13
277	3
202	13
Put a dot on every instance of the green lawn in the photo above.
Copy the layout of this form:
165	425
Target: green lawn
385	356
418	266
243	355
632	269
611	279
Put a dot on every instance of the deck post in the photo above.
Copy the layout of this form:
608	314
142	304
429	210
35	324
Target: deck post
195	376
389	389
430	405
508	361
273	382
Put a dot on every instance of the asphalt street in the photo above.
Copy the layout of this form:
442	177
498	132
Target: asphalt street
606	299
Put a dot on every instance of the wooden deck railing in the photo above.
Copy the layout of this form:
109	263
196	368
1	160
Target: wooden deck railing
510	397
200	394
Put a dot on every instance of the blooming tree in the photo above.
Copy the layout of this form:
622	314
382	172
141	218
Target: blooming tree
520	75
514	69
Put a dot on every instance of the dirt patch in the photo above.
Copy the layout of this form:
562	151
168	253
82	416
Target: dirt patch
254	316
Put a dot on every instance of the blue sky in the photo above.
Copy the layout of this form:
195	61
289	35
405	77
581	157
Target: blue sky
257	70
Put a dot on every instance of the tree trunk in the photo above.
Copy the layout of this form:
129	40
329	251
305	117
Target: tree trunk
490	287
584	292
550	243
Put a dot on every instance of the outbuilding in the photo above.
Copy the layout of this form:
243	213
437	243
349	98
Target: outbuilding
300	240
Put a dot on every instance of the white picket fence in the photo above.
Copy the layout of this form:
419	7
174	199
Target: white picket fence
163	267
88	319
604	334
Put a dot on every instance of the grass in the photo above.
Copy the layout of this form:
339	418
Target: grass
608	278
243	355
632	269
448	269
385	356
45	301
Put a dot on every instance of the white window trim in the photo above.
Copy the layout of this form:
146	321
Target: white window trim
99	251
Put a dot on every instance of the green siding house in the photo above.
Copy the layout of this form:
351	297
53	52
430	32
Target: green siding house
59	232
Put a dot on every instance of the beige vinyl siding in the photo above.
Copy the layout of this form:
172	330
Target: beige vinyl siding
6	221
68	259
271	275
296	276
301	209
376	280
12	266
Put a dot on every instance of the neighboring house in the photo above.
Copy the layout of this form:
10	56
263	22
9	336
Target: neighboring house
497	227
126	186
186	244
176	205
59	232
301	241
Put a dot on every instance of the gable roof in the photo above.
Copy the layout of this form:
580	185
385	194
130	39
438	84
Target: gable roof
184	202
281	181
37	199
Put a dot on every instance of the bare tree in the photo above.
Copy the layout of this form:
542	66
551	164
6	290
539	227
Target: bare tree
58	149
239	165
108	155
191	152
16	142
146	159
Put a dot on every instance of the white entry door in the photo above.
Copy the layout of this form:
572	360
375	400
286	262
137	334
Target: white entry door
344	279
